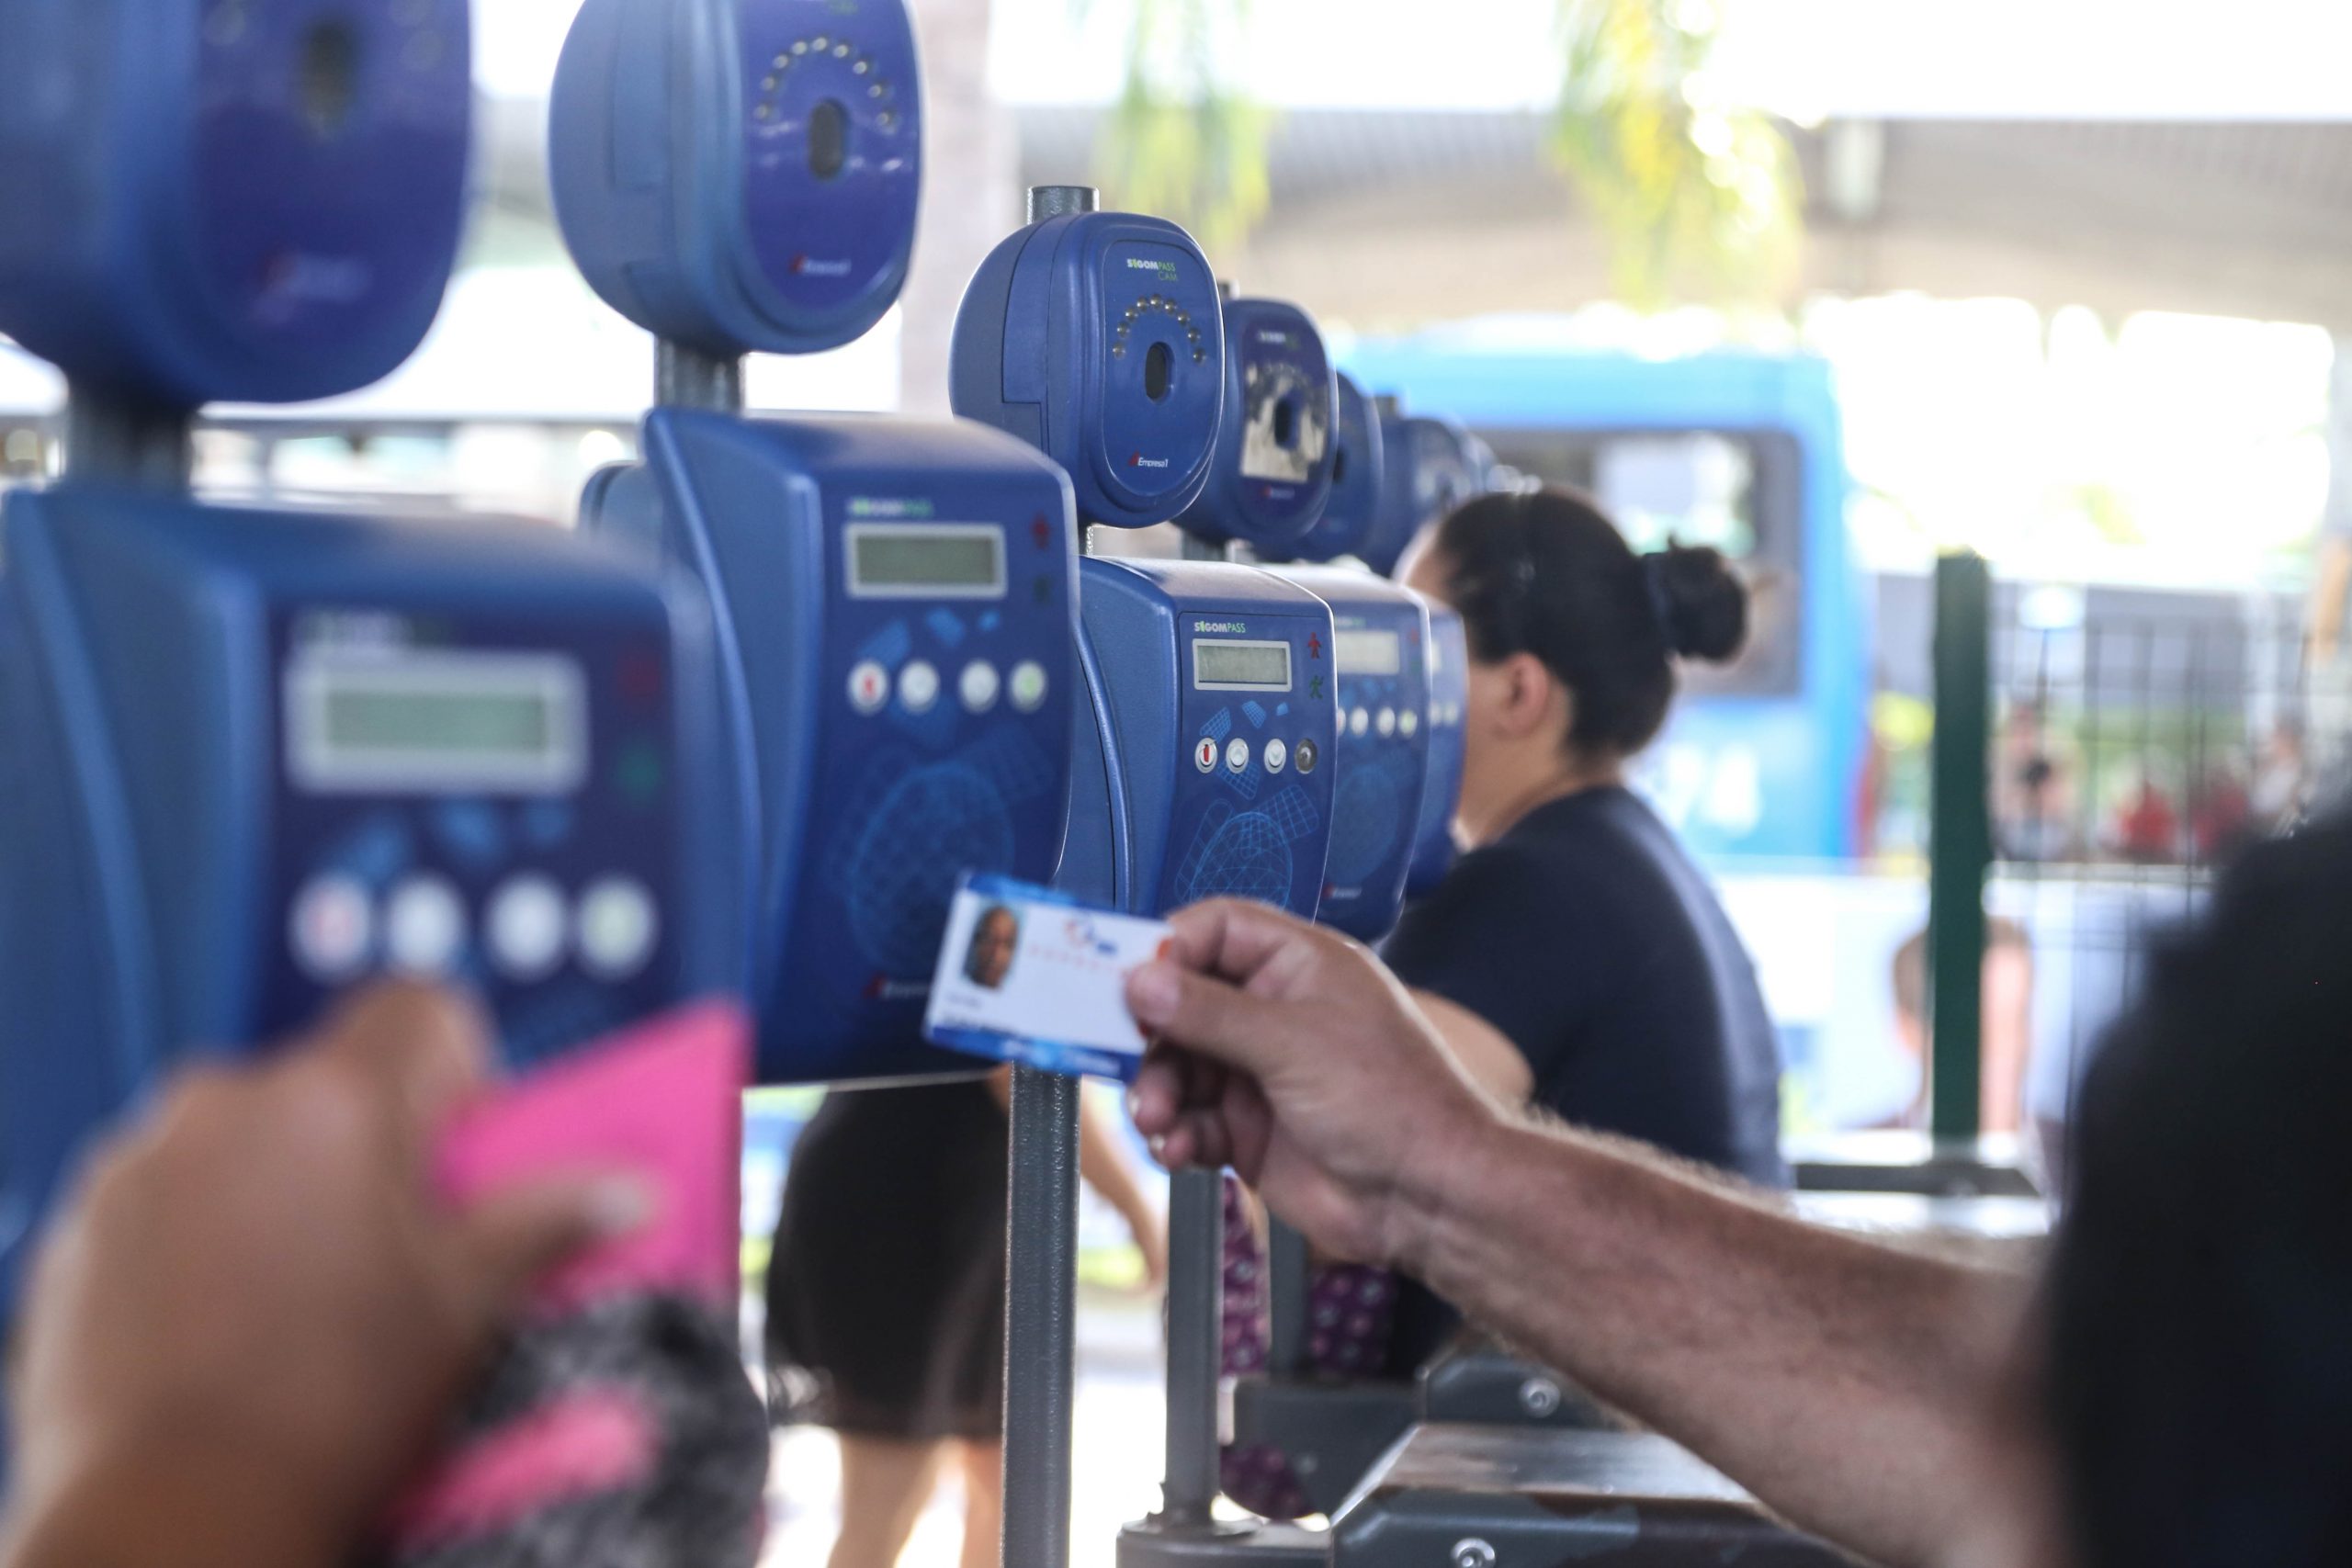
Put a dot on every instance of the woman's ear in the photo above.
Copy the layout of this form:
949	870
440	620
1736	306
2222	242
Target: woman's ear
1529	699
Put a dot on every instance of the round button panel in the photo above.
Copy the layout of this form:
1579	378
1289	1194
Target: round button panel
1277	756
869	687
618	927
979	686
1236	755
1410	723
1204	755
424	927
1385	723
1359	721
919	686
527	928
332	929
1028	685
1309	755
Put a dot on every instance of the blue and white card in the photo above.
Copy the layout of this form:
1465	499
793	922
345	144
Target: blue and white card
1030	975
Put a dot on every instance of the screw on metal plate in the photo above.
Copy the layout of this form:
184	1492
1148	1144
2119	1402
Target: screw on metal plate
1539	1396
1471	1553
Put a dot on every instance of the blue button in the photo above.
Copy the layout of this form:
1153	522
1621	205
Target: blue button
947	626
374	852
470	834
548	824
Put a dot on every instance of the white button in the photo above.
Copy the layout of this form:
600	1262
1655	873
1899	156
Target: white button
618	925
424	927
1385	723
869	687
1277	756
1205	756
526	928
1237	754
332	928
919	686
978	685
1409	722
1029	686
1359	721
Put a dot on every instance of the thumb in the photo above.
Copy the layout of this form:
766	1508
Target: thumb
1206	1016
510	1240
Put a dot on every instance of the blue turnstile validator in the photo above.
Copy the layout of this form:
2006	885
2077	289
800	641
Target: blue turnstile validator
1207	768
249	757
1380	646
1449	692
1275	445
894	600
1357	462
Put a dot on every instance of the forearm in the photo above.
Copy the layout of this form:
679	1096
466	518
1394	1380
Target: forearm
194	1507
1845	1383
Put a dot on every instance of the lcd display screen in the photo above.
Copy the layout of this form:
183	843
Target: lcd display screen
956	560
1241	666
1369	652
436	721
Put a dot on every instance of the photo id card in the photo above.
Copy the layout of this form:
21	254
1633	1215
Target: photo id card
1030	975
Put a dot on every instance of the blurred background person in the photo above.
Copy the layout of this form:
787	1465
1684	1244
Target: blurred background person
886	1298
2008	1040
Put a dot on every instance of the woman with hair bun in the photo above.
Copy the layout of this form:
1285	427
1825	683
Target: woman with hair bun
1575	958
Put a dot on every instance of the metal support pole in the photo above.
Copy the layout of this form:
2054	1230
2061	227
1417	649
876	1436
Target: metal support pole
1041	1259
1288	1271
688	378
1960	845
119	441
1195	1286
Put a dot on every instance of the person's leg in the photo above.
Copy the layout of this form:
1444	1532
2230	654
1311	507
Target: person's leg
983	1503
885	1484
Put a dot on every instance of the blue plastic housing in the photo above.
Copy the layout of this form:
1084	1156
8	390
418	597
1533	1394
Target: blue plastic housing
1357	464
1380	646
210	201
1275	445
1427	470
1098	338
195	861
895	604
1186	787
741	175
1449	694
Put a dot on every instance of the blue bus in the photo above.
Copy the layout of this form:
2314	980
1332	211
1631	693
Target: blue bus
1741	451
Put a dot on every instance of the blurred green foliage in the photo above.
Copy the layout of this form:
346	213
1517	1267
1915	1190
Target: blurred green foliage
1185	140
1698	198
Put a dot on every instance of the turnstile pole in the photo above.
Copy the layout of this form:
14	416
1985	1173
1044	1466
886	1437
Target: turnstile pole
1288	1278
125	442
1041	1259
1959	843
688	378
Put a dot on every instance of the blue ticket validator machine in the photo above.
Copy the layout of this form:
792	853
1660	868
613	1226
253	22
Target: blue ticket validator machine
1380	646
1208	771
1434	854
1356	476
1098	339
249	757
1427	470
1276	445
895	601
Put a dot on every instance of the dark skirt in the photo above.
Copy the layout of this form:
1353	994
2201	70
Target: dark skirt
885	1293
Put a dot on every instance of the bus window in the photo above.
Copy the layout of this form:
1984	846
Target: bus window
1741	492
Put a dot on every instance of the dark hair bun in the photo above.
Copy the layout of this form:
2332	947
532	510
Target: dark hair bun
1703	600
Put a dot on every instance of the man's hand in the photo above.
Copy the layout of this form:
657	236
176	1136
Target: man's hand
254	1312
1291	1054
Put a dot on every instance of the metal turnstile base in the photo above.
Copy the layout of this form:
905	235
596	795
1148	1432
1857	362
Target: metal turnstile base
1256	1544
1331	1433
1538	1497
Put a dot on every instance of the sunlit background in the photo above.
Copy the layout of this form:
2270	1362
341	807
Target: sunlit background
2074	265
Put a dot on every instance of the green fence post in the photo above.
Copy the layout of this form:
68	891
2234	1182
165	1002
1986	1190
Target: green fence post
1960	842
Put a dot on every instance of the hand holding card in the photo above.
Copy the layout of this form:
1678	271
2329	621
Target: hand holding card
1030	975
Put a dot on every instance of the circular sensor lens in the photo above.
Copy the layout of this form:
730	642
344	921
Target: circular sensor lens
1158	372
329	67
1287	423
828	138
